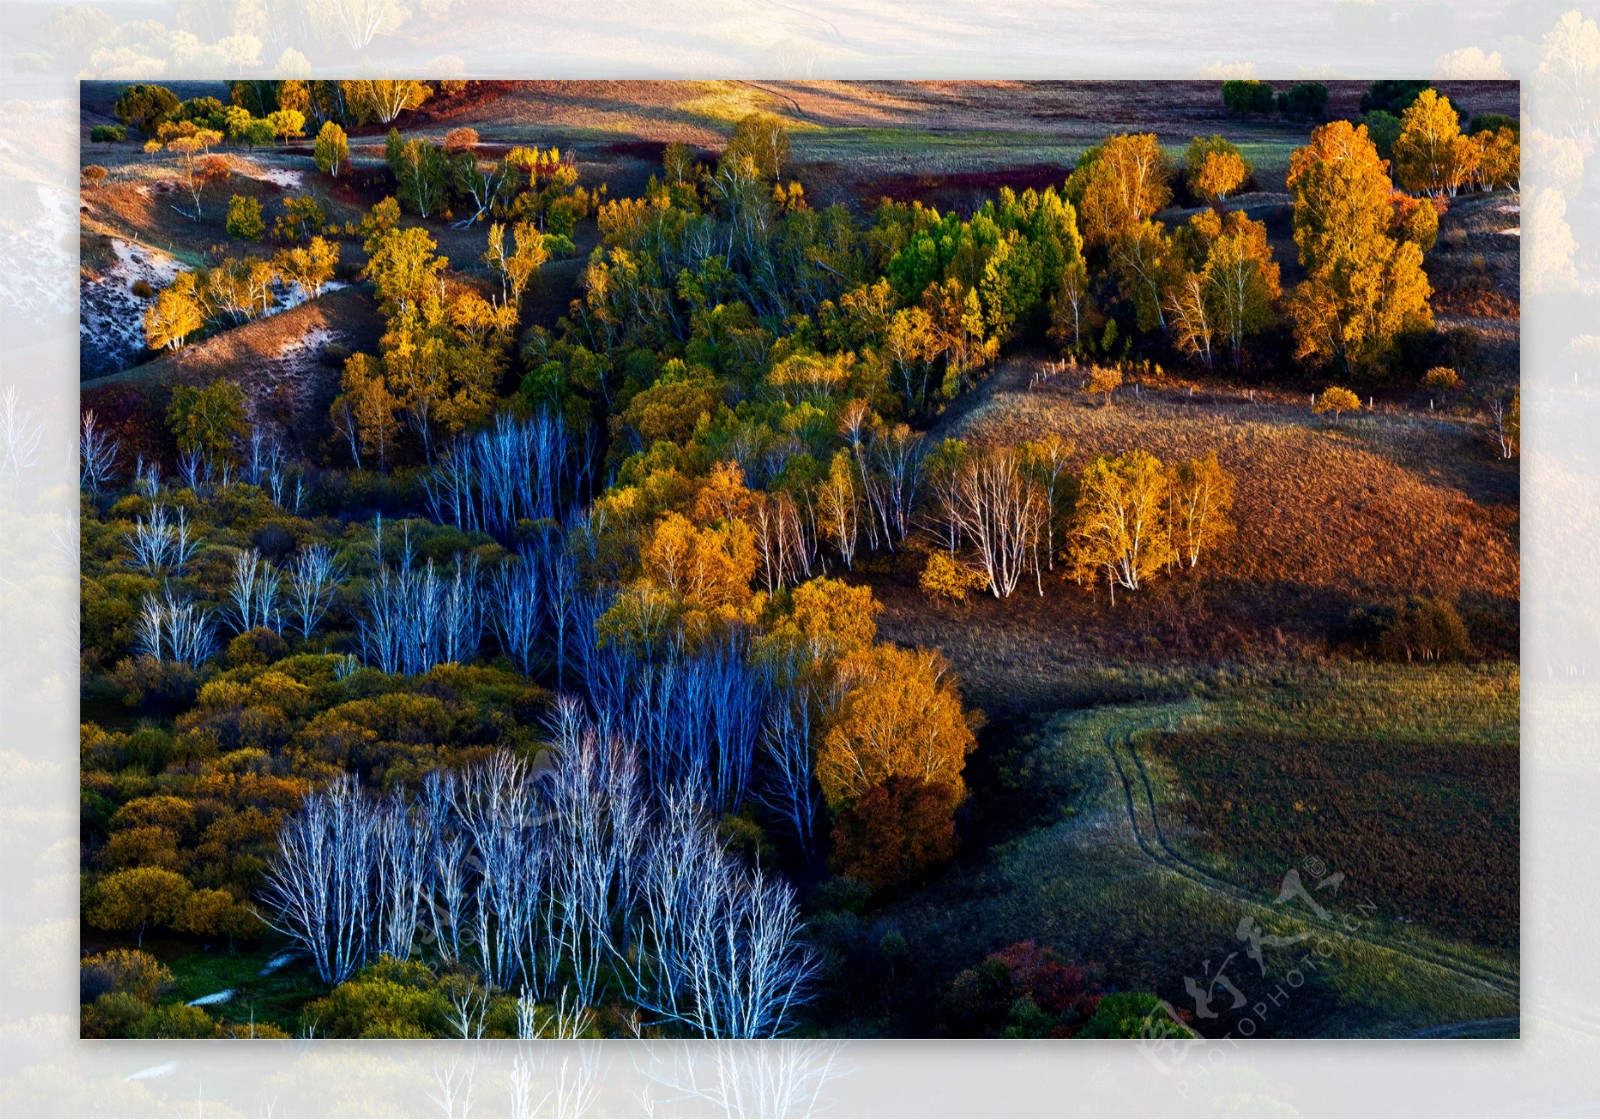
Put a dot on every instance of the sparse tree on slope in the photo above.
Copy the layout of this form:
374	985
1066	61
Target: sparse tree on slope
1337	401
332	150
1120	531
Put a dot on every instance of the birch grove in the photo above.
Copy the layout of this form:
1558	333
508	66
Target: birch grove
568	882
993	503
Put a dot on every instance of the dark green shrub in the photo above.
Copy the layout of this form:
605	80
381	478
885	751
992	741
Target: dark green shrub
107	133
1304	101
1392	95
1493	122
839	894
145	106
244	219
1247	96
1420	629
1383	129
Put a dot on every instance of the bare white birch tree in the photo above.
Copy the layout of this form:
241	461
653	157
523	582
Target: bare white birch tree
97	454
1003	512
313	577
319	890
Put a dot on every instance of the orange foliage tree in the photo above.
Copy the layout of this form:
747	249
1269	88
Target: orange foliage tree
829	617
707	567
899	829
899	715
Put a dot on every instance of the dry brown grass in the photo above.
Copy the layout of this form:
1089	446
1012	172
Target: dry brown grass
1329	516
1475	270
1368	504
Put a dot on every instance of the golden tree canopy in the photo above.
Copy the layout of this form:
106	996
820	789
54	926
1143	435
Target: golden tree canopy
706	567
1119	183
1364	286
1120	529
900	715
1430	155
835	617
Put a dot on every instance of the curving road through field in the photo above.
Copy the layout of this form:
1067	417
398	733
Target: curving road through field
1139	800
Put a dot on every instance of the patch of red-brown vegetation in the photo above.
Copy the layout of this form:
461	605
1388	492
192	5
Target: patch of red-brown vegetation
1475	302
1441	854
133	416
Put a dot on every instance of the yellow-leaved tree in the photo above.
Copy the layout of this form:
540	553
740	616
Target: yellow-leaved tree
174	314
1430	155
1119	183
831	617
365	412
1499	158
899	715
1120	527
704	567
944	577
1337	401
1199	499
383	99
1240	281
1214	168
723	496
311	266
1364	286
515	266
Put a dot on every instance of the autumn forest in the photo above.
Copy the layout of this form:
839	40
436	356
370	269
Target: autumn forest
726	559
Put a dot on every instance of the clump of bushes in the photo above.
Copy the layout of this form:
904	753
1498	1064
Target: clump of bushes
1419	629
943	578
244	219
1023	991
1031	991
459	140
1247	96
107	134
1307	100
94	173
120	992
1441	379
1133	1015
856	952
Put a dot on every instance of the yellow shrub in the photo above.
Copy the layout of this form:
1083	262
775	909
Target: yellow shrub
943	578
